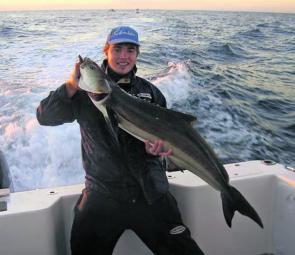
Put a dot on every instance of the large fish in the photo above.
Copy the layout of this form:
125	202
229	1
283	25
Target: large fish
147	121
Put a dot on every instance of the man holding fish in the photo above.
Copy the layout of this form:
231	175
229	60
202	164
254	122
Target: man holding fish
125	183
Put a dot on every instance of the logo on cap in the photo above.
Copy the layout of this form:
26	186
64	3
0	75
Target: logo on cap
123	34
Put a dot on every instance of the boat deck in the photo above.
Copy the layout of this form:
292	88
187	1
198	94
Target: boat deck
38	222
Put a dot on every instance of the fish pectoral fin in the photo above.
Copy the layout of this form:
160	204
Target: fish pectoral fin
235	201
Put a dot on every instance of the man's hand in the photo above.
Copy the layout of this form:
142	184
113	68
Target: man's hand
156	148
72	84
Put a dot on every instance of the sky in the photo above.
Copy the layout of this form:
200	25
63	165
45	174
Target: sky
221	5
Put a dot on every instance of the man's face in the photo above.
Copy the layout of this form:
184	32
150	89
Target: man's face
122	57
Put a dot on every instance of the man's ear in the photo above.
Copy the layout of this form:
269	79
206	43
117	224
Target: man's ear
105	51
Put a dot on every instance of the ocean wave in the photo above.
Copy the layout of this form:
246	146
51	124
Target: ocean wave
227	51
288	131
6	31
270	24
253	34
278	27
276	105
19	33
291	129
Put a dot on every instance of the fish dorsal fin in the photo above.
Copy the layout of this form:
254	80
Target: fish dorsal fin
158	112
183	116
187	117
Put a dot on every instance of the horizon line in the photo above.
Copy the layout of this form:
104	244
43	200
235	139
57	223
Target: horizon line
144	9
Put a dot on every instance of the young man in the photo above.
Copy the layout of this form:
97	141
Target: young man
126	187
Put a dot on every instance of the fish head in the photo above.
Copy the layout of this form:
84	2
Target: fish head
93	80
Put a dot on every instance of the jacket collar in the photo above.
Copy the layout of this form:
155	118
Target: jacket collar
119	79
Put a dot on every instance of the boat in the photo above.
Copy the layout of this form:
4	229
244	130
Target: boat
38	222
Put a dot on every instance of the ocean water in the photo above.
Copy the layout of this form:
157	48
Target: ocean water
235	71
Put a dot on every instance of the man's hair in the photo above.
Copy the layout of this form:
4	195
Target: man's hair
107	45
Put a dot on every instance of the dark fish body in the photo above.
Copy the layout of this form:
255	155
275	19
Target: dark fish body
147	121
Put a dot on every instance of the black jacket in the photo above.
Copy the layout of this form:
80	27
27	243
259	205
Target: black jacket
125	173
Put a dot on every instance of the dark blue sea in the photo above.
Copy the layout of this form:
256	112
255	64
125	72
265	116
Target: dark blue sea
235	71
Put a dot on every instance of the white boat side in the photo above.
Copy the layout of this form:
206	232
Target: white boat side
38	222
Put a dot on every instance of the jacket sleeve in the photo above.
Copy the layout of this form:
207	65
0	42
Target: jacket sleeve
56	109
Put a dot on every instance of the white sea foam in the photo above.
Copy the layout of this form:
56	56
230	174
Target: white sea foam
42	156
176	83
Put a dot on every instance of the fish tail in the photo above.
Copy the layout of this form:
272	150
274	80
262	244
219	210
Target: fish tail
235	201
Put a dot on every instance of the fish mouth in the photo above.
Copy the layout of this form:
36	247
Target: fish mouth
97	96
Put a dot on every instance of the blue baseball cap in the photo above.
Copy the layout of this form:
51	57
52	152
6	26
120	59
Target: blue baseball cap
123	34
